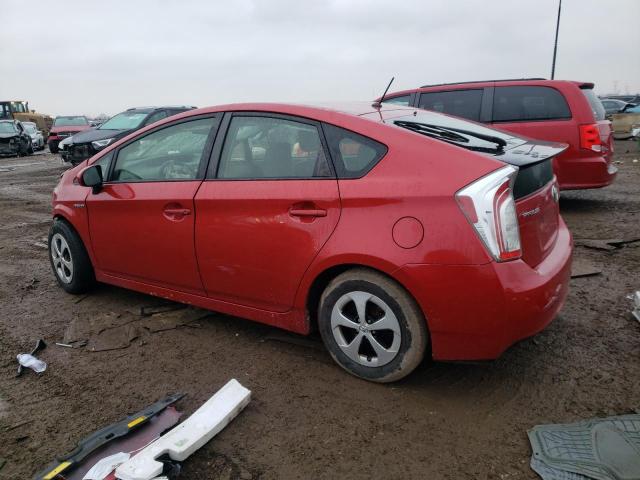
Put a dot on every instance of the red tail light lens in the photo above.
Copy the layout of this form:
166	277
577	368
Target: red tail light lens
590	137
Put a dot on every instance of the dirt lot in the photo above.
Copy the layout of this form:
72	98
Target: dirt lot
308	418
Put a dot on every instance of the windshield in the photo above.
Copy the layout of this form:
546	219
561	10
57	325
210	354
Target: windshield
29	128
458	132
595	104
69	121
124	121
7	127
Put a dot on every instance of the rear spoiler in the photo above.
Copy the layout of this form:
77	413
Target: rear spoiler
533	151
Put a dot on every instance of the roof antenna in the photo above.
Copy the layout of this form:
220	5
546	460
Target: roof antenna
378	103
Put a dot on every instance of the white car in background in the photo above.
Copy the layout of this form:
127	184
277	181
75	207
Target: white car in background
37	139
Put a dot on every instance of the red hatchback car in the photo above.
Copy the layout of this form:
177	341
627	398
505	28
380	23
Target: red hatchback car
392	230
552	110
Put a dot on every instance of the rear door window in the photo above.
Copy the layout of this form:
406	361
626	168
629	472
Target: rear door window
523	103
353	155
598	110
258	147
461	103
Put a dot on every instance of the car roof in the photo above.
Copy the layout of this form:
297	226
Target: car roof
490	83
356	108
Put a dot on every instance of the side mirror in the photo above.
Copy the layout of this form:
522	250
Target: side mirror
91	177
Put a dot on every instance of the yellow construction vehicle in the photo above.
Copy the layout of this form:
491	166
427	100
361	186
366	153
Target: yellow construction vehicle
19	110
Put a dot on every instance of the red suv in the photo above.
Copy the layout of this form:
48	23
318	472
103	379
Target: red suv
553	110
66	126
394	231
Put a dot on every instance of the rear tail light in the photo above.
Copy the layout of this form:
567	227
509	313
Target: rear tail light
489	206
590	137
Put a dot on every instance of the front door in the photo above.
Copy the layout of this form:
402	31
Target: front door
142	221
267	212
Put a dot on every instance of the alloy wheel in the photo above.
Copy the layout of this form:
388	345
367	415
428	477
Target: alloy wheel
366	329
61	256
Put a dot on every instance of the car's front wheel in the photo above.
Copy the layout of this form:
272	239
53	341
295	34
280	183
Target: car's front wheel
371	326
70	262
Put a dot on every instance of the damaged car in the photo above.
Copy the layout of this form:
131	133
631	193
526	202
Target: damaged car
398	233
14	139
85	144
37	139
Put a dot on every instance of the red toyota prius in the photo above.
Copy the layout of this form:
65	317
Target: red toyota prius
393	231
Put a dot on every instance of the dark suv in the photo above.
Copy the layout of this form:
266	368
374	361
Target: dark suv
553	110
85	144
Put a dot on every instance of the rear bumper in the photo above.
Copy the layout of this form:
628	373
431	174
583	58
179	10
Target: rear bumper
475	312
587	172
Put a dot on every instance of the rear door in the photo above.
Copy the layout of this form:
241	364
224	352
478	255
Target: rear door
142	221
269	204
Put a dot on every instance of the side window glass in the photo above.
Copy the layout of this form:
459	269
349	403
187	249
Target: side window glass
353	154
529	103
173	153
403	100
461	103
105	163
265	147
153	118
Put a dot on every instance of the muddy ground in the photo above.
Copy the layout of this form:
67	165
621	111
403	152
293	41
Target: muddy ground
308	418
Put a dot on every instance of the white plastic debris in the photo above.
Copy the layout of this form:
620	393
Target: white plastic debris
190	435
29	361
104	467
636	305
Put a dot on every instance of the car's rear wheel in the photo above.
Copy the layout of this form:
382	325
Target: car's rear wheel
52	148
371	326
69	260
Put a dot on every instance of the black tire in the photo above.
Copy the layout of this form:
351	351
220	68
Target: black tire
30	148
81	277
52	148
413	332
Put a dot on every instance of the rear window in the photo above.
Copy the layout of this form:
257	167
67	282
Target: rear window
461	103
595	103
353	154
521	104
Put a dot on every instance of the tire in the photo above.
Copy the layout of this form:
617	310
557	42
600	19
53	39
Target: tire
30	149
53	149
69	260
400	349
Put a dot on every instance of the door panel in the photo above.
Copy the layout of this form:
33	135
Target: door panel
255	239
142	223
144	231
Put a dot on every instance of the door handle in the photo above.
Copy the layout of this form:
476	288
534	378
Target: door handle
307	212
177	211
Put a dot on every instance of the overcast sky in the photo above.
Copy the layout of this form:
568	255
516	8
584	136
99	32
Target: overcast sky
70	56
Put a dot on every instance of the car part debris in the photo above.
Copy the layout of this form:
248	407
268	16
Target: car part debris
104	467
603	448
190	435
548	473
149	310
40	345
130	443
604	244
103	436
582	267
636	305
